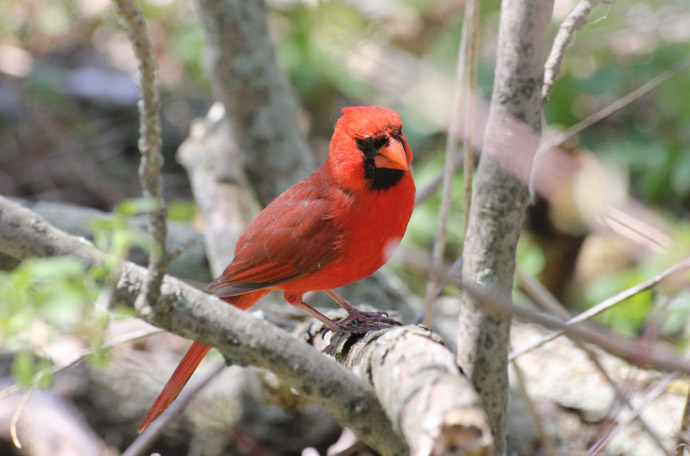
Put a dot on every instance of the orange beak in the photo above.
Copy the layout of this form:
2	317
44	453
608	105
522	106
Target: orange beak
392	156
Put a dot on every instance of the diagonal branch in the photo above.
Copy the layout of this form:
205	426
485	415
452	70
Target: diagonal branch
577	18
417	381
605	305
241	338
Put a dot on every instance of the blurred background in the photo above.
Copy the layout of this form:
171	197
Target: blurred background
69	131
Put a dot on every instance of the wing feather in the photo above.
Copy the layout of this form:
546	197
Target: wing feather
295	235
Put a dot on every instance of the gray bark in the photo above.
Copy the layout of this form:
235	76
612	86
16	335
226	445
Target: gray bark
193	314
419	385
499	200
261	108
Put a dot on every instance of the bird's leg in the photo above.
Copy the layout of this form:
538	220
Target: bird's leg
367	320
304	307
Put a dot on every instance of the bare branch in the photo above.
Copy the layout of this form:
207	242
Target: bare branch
418	383
543	297
651	396
148	437
499	201
439	246
682	438
617	105
261	108
577	18
241	338
607	304
150	144
623	347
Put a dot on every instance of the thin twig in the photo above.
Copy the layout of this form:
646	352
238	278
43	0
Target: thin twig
577	18
543	297
605	305
17	414
547	442
150	144
450	153
80	355
682	438
620	346
617	105
144	441
470	89
651	396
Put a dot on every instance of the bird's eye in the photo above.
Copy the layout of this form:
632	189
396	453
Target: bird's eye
381	141
361	142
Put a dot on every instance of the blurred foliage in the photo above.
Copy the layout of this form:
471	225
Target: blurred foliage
44	299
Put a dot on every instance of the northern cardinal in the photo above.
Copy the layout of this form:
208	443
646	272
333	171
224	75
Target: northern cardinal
337	226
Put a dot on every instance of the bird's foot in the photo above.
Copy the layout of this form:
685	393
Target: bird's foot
359	322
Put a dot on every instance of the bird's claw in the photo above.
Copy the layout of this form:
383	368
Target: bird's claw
368	321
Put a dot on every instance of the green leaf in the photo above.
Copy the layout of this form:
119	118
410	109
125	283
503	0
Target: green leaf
23	368
136	206
181	210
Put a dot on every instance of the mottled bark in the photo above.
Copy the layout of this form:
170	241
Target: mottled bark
416	379
260	106
499	200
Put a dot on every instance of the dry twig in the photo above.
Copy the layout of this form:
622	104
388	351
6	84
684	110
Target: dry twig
605	305
150	144
146	439
462	72
544	298
620	346
577	18
652	395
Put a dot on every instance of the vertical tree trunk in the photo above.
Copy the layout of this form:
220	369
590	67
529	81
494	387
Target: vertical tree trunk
260	105
499	200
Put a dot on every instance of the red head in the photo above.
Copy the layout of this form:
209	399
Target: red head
368	149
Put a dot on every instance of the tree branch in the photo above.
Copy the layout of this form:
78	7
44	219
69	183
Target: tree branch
196	315
566	34
499	202
150	144
261	108
632	350
606	304
418	383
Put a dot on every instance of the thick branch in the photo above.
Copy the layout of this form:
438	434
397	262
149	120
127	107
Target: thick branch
499	201
261	107
240	337
418	383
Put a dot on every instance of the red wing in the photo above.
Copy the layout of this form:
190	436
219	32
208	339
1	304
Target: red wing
293	236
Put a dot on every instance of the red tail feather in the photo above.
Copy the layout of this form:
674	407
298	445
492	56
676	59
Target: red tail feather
178	380
190	362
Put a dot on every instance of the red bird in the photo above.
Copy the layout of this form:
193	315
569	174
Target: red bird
335	227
